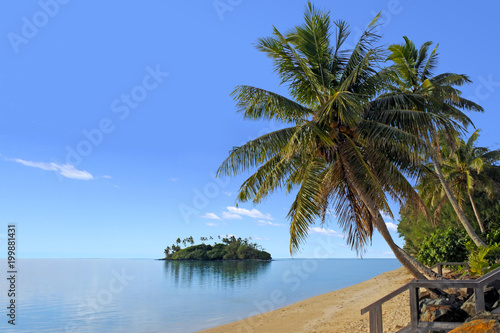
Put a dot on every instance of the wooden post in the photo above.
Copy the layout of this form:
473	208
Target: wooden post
376	319
479	292
440	269
414	306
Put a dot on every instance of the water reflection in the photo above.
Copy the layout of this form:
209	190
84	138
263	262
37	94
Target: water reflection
219	273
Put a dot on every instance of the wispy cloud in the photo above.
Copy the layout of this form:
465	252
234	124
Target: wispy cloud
211	216
326	232
261	238
391	226
210	224
251	213
264	223
65	170
173	179
231	216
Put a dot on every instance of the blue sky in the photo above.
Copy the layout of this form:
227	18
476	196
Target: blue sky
115	115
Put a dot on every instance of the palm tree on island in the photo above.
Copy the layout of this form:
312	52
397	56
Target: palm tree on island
348	147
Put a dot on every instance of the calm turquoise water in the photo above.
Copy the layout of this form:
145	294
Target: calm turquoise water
118	295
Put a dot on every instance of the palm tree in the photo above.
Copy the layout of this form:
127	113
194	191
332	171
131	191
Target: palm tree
476	170
414	85
337	154
467	169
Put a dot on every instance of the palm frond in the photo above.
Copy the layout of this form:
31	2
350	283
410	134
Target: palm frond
256	103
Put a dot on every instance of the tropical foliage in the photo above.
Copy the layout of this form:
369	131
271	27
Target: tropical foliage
354	129
231	248
443	245
350	144
467	169
436	95
473	176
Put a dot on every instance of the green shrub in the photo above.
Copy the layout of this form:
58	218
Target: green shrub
482	260
443	245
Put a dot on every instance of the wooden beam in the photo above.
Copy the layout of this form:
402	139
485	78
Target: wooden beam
414	311
376	319
479	293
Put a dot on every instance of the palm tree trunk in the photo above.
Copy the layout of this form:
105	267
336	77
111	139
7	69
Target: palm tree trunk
382	228
478	217
416	268
404	258
421	267
460	213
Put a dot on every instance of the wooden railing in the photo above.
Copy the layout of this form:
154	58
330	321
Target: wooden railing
375	309
454	263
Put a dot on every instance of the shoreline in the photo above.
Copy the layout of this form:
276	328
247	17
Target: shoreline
336	311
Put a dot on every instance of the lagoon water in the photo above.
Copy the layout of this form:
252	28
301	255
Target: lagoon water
132	295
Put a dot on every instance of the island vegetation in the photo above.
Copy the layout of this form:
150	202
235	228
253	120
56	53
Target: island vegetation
230	248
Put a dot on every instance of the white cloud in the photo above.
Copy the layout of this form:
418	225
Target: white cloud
391	226
106	177
385	215
231	216
326	232
227	193
211	216
65	170
251	213
263	223
260	238
210	224
173	179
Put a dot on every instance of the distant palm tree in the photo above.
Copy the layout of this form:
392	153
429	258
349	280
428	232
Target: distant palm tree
466	169
338	152
415	85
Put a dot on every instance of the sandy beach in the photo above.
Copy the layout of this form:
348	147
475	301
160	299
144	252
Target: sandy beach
337	311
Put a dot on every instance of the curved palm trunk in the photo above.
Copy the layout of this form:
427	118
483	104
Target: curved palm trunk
411	264
478	217
416	268
460	213
381	227
421	267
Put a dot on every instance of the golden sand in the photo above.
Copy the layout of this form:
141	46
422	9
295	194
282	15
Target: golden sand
337	311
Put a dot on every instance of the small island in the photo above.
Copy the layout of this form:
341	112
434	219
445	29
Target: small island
231	248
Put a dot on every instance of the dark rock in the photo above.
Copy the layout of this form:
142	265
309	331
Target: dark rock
469	306
482	322
495	284
425	294
478	326
491	296
485	315
442	309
